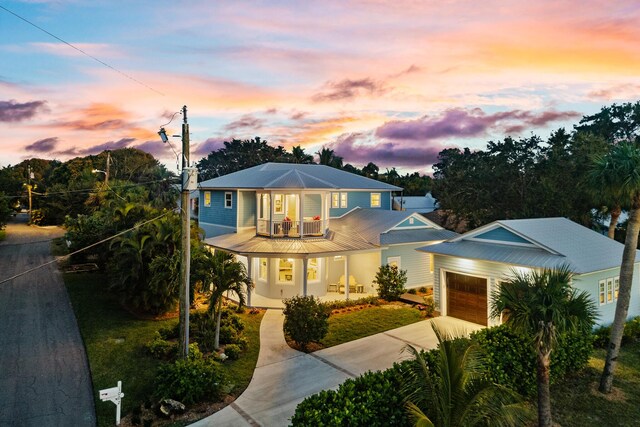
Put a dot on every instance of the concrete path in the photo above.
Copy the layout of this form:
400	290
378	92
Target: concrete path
284	377
44	375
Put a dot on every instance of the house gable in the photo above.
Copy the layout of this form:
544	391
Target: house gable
500	234
414	221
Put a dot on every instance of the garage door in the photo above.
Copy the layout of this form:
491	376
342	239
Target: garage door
467	298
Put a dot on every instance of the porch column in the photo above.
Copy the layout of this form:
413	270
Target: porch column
346	276
270	214
301	215
305	266
250	274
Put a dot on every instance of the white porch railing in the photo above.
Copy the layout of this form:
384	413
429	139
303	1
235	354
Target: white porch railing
283	228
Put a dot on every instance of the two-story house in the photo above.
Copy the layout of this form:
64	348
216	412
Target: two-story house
314	230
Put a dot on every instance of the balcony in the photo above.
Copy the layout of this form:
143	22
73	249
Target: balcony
282	228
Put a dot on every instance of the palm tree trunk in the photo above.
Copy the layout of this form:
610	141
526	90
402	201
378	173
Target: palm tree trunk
544	395
615	214
624	296
216	341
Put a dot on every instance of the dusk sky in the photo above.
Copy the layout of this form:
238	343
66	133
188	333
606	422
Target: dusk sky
393	82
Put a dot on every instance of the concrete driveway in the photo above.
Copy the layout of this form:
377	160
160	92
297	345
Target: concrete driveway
44	375
284	377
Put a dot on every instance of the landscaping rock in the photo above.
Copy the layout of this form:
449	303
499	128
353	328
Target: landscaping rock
169	407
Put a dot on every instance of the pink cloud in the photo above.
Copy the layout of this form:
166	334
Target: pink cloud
45	145
13	111
348	89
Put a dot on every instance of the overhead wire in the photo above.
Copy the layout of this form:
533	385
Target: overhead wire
81	51
84	249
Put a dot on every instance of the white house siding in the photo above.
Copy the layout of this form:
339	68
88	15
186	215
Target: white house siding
416	263
589	282
494	272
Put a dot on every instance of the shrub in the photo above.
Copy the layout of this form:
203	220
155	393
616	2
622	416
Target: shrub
170	332
232	351
512	362
190	380
390	281
631	333
422	290
204	328
412	291
429	306
161	348
306	320
369	400
336	305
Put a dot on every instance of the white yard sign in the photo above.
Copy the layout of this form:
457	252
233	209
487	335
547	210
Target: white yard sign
115	395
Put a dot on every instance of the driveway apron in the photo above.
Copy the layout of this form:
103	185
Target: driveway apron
44	375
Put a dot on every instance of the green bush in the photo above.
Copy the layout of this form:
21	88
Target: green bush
512	361
161	348
390	281
191	380
203	329
631	333
412	291
306	320
336	305
170	332
232	351
423	290
429	305
369	400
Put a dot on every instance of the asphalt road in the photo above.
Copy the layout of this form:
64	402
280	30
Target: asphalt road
44	375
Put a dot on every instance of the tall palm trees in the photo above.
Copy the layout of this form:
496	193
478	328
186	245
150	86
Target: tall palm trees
222	273
454	392
617	173
542	304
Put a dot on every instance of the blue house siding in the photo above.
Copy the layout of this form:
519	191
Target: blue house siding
502	235
412	222
312	205
416	263
360	199
213	230
247	209
217	213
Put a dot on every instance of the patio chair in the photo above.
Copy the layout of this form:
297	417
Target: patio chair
354	286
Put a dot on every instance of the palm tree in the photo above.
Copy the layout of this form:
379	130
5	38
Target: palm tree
618	173
299	156
223	273
542	304
328	157
455	391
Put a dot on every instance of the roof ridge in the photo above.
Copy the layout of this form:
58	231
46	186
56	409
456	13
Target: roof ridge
315	177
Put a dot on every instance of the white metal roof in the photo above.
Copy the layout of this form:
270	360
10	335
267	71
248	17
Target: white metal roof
291	175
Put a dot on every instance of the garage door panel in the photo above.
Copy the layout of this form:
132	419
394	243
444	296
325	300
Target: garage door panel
467	297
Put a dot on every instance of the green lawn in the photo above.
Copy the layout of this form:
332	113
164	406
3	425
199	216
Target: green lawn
115	341
576	401
345	327
3	235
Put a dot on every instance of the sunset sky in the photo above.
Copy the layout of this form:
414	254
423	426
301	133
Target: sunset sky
393	82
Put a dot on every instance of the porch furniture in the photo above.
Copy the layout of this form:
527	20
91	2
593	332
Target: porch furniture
354	286
333	287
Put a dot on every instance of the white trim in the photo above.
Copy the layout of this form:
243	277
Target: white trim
492	226
371	205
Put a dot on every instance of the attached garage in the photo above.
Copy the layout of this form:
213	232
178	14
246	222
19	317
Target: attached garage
467	297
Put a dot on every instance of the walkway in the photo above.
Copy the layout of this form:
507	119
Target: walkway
284	377
44	375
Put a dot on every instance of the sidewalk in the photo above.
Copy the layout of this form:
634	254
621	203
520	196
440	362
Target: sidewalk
284	377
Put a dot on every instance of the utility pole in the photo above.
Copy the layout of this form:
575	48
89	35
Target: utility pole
189	182
29	188
106	171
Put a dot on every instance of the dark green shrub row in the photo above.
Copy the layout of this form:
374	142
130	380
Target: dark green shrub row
191	380
512	361
336	305
203	329
232	351
631	333
161	348
372	399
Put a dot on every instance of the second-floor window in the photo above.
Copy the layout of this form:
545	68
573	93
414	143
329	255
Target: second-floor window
375	200
228	200
335	200
207	198
343	200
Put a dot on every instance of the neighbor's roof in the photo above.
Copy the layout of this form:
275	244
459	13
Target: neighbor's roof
421	204
291	175
553	242
394	237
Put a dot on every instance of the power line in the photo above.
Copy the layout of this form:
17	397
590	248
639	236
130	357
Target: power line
91	190
82	51
84	249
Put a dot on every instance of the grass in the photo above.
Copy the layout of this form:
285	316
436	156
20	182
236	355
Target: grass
345	327
577	402
115	339
3	235
59	247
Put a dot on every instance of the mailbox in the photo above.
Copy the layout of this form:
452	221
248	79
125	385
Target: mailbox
115	395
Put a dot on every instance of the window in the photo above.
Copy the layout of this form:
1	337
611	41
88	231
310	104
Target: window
608	290
343	200
285	271
312	269
375	200
394	260
228	200
410	221
431	262
207	198
278	205
263	268
335	200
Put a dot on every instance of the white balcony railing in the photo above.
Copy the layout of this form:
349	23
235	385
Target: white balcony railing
281	228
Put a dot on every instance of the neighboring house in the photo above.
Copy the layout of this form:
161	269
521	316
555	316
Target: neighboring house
419	204
468	268
313	229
